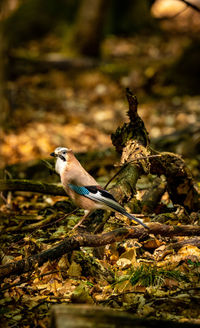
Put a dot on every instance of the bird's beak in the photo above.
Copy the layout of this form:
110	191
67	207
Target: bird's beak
53	154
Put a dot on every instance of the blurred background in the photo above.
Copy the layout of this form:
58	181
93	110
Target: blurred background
65	65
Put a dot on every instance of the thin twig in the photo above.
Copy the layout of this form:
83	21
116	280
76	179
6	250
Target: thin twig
125	165
49	166
24	280
116	174
44	226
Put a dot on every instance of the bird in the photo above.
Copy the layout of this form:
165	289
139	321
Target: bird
83	189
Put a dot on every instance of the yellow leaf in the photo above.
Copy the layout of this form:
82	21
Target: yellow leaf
74	270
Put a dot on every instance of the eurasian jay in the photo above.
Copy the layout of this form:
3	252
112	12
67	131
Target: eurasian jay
82	188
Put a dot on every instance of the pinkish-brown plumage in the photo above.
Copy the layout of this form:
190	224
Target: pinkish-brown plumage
74	173
82	188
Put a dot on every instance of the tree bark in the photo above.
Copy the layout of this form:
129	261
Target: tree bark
89	27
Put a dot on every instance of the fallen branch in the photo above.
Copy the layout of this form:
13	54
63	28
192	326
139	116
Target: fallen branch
71	243
32	186
192	241
35	225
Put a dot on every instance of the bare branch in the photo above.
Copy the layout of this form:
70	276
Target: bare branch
71	243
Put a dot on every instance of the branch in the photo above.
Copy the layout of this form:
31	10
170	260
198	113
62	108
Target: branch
71	243
179	244
29	185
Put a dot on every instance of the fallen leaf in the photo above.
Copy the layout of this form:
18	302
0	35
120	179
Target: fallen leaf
74	270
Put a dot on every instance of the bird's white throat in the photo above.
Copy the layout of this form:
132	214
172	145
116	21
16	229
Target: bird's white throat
60	165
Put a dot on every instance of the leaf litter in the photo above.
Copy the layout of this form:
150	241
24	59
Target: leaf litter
142	277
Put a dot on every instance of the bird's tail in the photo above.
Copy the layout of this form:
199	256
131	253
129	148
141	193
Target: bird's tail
132	217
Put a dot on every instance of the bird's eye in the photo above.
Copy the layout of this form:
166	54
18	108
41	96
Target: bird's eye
64	152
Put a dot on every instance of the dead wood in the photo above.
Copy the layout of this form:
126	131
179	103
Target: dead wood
137	158
29	185
84	315
180	184
153	196
191	241
132	142
74	242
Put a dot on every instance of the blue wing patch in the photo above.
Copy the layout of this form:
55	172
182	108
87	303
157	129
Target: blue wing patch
97	194
79	190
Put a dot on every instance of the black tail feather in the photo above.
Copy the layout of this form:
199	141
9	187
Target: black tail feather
121	210
132	217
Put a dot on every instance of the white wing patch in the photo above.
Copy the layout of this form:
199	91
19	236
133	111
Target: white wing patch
98	197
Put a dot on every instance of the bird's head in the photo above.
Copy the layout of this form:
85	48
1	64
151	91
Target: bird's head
61	153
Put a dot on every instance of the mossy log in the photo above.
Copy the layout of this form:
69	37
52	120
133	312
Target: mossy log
29	185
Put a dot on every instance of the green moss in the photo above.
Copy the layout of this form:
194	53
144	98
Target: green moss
151	276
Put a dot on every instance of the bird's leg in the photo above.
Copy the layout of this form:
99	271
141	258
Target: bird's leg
87	213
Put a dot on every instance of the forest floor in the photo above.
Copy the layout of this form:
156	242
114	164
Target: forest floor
80	109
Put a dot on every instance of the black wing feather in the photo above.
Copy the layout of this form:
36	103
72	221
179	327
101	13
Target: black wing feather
104	193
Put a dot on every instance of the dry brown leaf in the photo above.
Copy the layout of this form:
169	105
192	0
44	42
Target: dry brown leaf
152	243
170	283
